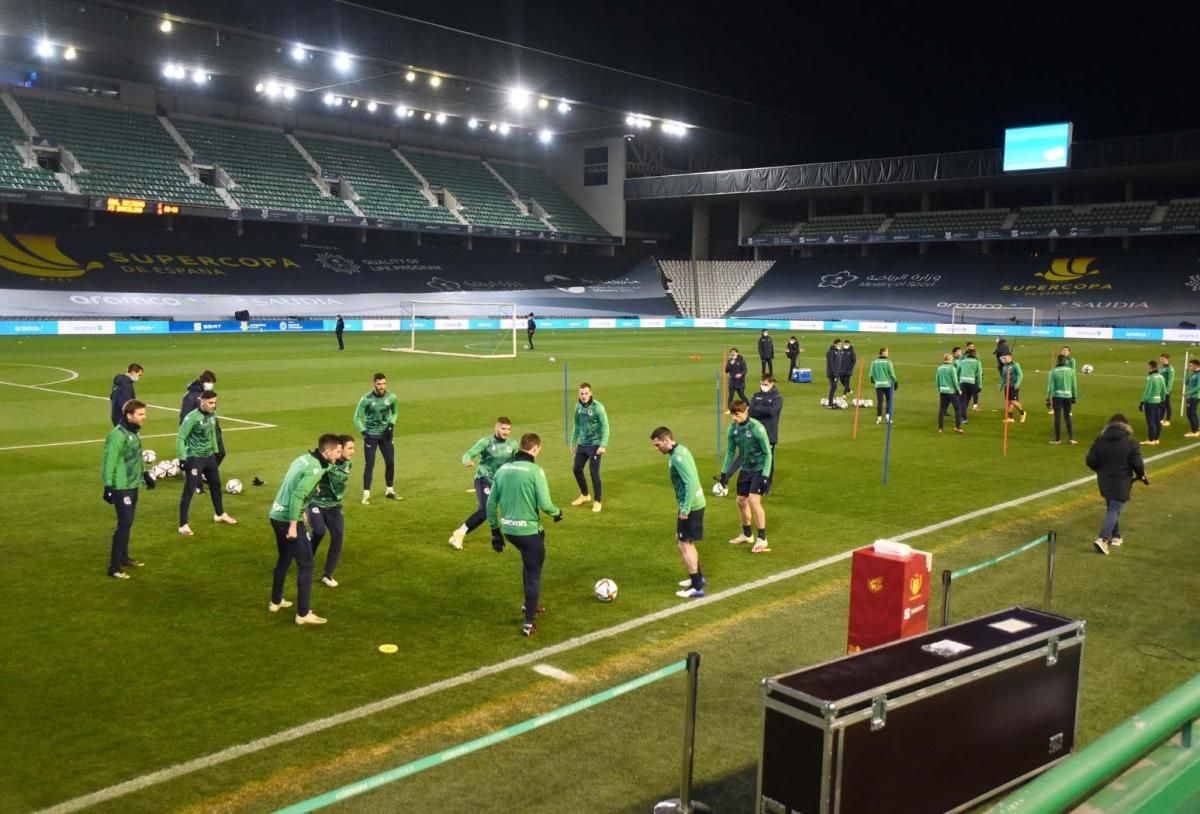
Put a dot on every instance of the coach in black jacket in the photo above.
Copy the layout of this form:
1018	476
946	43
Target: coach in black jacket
766	354
122	391
735	369
849	360
1116	458
833	369
793	353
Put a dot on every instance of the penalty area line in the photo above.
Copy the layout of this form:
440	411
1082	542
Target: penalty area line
535	657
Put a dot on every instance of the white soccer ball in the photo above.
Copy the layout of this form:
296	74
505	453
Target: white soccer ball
824	402
160	470
551	358
233	486
1087	369
149	456
173	467
606	590
720	491
840	402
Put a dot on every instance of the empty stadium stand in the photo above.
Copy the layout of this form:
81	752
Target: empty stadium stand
385	186
1093	215
968	220
1183	210
13	172
532	184
835	224
268	171
775	228
483	197
122	151
711	288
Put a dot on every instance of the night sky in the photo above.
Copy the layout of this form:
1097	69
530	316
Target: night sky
875	79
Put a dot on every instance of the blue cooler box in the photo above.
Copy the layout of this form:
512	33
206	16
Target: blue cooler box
802	375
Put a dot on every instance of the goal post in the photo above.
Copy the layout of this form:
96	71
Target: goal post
993	315
473	330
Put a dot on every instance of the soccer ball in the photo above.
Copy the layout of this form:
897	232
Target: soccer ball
149	456
233	486
606	590
551	358
1087	368
160	470
173	468
720	491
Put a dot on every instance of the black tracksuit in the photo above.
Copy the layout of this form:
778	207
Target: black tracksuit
339	329
1002	349
792	352
833	370
530	329
122	391
766	354
736	370
849	360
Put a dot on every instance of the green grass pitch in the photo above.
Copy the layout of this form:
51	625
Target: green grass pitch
105	681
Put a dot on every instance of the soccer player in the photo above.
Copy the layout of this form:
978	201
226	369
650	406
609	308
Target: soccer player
970	379
122	391
1168	373
746	438
493	451
530	328
949	391
735	370
287	522
375	417
765	407
589	440
324	510
1191	391
1061	391
339	329
792	352
1010	384
203	383
833	370
1153	396
518	498
123	473
1117	461
196	448
883	378
689	503
766	353
849	361
979	387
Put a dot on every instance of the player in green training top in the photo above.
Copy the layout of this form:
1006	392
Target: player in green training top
883	378
123	473
1191	392
970	379
324	511
493	451
949	393
196	447
1153	396
689	509
747	438
589	440
1061	391
1010	384
1168	373
287	522
375	417
519	496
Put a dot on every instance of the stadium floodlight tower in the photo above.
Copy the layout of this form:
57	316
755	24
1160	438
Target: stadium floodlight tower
438	328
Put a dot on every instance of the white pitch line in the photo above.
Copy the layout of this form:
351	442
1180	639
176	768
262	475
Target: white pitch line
256	424
321	724
101	440
553	672
74	373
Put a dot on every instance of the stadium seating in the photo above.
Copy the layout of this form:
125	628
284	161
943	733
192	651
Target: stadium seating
1183	210
386	187
1093	216
123	152
837	224
484	199
711	288
563	212
13	172
774	228
961	220
268	170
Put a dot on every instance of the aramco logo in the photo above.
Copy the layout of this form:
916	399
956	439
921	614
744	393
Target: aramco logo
1068	269
38	256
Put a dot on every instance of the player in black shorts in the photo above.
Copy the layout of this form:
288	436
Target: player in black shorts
689	509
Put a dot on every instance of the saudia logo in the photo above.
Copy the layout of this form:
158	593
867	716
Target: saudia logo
1066	275
1068	269
38	256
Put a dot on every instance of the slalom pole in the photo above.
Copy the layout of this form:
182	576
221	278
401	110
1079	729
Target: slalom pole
858	401
1006	410
1183	389
887	441
718	417
566	407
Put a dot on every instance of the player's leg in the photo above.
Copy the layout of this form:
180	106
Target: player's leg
124	502
335	521
744	483
760	515
370	444
833	383
302	551
1066	411
582	455
943	403
282	562
1193	414
191	478
533	557
315	517
212	475
1166	411
387	447
594	461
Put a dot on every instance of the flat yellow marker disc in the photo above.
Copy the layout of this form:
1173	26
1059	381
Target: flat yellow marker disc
388	648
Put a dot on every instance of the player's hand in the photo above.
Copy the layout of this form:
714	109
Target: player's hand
683	515
108	495
291	532
497	541
600	450
149	481
1072	401
558	517
1047	404
572	451
469	464
1144	480
1141	406
895	385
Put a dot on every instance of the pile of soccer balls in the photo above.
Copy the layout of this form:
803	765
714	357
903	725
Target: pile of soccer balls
162	469
839	402
1088	369
863	403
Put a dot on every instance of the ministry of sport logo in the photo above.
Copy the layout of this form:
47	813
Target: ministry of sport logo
839	280
337	263
39	256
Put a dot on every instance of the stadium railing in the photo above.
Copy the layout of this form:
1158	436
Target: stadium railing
1050	538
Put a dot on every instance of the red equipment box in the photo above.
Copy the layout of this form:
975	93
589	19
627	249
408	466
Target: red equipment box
889	597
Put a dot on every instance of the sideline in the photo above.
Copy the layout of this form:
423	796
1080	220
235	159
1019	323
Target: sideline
286	736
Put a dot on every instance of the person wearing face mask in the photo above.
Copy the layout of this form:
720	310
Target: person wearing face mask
765	407
204	383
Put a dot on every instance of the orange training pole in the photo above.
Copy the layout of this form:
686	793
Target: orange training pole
858	399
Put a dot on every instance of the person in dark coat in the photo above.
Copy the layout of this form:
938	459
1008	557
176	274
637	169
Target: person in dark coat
530	329
735	369
849	361
793	353
766	405
340	329
766	354
122	391
1116	458
833	370
1002	350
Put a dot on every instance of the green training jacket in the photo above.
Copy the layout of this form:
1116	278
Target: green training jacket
946	379
689	493
122	465
519	495
374	414
332	486
751	442
492	453
297	486
197	437
1062	383
591	425
882	373
1155	391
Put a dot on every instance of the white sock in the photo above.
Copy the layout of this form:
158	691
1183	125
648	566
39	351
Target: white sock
462	529
391	490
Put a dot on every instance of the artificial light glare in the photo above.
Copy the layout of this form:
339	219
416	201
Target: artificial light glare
411	76
427	116
492	127
271	89
298	53
260	87
401	111
44	49
289	92
165	26
372	107
327	98
504	128
564	108
353	103
472	123
545	136
69	54
441	118
435	81
337	101
341	61
518	98
543	103
199	76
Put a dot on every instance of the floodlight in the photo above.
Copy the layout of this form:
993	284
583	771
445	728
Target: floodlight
492	127
341	61
435	81
298	53
289	92
44	49
518	98
427	116
353	103
271	89
543	103
411	76
69	54
545	136
629	120
337	101
504	128
564	108
401	110
472	123
372	107
259	87
441	118
165	26
199	76
328	98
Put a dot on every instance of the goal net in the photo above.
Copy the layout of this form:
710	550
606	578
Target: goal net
993	315
476	330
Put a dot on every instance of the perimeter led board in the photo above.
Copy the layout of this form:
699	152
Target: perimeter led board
1042	147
